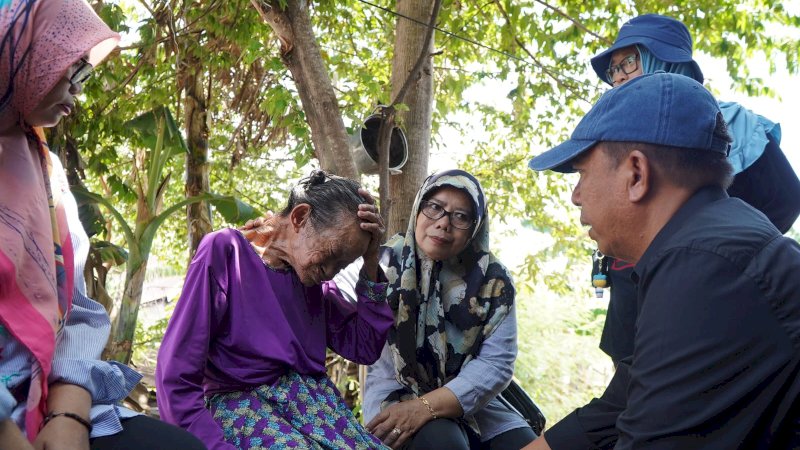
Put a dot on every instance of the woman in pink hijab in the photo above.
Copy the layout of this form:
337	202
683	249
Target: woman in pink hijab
55	392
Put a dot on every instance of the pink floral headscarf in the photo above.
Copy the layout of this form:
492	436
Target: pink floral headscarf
39	41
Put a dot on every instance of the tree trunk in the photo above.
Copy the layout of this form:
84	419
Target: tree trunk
120	345
301	55
416	122
198	215
124	317
95	274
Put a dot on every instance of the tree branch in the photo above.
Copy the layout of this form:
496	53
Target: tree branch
575	21
422	56
554	76
388	114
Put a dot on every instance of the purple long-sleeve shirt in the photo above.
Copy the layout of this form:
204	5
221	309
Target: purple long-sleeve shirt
239	325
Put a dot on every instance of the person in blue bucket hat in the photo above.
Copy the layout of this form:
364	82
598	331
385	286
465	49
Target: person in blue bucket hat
651	39
763	176
716	360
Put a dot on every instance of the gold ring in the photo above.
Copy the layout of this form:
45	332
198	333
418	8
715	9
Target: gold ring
397	431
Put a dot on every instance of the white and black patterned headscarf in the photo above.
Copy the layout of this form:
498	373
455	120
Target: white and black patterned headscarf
443	310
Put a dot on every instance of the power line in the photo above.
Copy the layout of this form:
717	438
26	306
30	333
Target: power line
465	39
534	62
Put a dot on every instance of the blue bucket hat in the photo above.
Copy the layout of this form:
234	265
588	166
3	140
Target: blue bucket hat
659	108
666	38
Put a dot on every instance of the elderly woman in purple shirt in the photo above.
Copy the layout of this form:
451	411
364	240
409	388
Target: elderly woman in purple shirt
242	364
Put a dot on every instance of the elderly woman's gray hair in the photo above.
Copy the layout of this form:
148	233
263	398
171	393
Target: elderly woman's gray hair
329	196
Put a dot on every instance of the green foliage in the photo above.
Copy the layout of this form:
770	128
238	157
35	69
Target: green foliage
110	254
258	137
149	336
559	362
794	233
153	125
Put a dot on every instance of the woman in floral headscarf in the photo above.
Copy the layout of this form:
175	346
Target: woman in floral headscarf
452	348
53	389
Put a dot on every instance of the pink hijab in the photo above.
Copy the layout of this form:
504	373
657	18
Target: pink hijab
41	39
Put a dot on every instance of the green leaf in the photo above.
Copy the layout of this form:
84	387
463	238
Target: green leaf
233	209
84	195
91	217
145	128
110	253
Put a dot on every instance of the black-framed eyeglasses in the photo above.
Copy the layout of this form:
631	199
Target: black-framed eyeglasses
82	72
627	66
459	219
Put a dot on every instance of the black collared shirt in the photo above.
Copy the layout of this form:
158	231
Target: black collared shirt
770	185
716	360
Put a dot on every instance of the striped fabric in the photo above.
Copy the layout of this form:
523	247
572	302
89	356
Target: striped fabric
78	350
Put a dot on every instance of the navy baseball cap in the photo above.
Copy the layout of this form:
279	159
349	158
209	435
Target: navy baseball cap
666	38
659	108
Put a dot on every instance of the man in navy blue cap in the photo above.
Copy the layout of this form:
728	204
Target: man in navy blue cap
763	176
716	361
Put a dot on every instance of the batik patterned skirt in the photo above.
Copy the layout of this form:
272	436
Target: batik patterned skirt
299	411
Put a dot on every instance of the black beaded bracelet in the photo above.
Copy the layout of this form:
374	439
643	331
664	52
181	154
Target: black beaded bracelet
72	416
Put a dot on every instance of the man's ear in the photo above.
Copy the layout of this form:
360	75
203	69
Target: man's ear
640	181
299	215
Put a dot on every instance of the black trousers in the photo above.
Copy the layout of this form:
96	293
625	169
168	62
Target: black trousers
449	434
142	432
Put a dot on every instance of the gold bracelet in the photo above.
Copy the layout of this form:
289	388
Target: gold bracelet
428	405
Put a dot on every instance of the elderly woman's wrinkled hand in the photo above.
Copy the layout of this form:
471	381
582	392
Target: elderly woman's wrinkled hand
258	232
373	223
399	422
